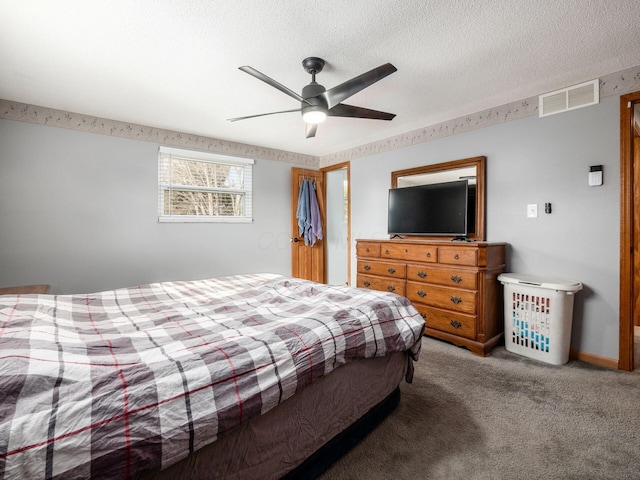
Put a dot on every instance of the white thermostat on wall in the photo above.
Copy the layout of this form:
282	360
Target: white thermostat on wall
595	175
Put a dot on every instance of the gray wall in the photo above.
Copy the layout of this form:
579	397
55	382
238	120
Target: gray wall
79	211
532	160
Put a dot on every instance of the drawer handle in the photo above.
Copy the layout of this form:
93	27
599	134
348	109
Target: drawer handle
456	300
367	250
391	270
386	252
428	254
456	256
391	288
367	267
421	293
455	324
367	283
456	279
422	274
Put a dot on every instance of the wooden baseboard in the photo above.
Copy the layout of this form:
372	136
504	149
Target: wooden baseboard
25	289
594	359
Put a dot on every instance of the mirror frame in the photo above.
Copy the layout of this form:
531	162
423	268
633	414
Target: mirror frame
479	163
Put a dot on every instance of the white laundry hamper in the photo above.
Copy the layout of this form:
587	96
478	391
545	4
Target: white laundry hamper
538	313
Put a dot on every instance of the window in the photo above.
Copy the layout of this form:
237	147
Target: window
203	187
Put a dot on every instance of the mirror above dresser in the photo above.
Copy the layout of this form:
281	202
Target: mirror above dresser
471	169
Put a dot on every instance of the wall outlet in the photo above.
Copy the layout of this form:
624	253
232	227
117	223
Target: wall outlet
532	210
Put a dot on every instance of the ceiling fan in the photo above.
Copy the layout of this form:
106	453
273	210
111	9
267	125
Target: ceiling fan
316	103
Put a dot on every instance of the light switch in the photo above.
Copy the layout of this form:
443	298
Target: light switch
532	210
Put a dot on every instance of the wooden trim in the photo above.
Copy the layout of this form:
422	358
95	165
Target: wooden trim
436	167
480	164
635	268
25	289
625	358
593	359
324	170
481	185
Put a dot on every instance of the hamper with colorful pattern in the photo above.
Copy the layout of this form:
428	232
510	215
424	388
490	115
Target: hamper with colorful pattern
538	314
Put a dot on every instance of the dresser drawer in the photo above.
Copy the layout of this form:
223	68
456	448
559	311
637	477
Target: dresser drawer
443	276
421	253
387	269
446	321
367	249
458	256
382	284
443	297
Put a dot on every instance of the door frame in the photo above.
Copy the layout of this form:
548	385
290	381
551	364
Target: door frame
628	188
339	166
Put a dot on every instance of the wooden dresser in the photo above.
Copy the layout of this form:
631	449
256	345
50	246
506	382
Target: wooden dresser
452	284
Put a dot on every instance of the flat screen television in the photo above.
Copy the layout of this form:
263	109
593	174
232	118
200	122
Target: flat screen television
440	209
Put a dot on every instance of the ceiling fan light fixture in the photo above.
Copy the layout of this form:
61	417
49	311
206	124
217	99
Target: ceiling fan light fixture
316	102
314	114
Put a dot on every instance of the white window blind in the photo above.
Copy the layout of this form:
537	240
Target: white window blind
203	187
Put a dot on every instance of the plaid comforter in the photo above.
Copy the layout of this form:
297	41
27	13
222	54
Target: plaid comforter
113	384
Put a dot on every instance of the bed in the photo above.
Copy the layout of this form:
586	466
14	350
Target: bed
247	376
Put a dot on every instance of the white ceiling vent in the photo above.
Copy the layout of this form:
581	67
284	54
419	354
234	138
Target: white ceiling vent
578	96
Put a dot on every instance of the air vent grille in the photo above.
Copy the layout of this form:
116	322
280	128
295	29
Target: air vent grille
578	96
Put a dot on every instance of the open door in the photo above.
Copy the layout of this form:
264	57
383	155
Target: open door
306	262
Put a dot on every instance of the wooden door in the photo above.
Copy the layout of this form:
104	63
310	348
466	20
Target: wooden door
306	262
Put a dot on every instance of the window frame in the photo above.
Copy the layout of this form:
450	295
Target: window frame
196	156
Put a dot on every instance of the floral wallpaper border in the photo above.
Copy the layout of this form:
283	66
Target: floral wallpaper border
617	83
75	121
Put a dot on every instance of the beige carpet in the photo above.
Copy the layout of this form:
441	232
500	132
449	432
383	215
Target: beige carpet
503	417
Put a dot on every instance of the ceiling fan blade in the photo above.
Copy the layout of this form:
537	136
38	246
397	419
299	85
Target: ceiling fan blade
270	81
342	110
343	91
261	115
312	128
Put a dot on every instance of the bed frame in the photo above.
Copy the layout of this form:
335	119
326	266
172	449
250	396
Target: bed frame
303	436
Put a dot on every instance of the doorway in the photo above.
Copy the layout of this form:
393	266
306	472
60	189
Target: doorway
337	243
629	228
329	259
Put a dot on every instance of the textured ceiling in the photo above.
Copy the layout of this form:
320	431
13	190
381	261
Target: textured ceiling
174	64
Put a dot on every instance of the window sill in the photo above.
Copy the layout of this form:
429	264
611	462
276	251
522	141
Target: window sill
202	219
